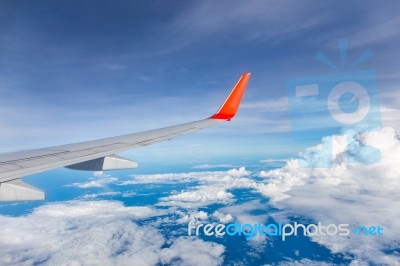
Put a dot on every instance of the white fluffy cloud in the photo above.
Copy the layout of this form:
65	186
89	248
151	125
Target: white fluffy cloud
357	194
194	215
100	179
222	217
213	186
199	197
204	177
96	233
192	251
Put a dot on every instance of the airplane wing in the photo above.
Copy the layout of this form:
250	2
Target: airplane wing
98	155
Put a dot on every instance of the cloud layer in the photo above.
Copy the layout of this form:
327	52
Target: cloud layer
107	231
96	233
357	194
353	193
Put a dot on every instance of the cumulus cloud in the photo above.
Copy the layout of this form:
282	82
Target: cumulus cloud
197	198
192	251
213	186
357	194
222	217
100	179
194	215
96	233
203	177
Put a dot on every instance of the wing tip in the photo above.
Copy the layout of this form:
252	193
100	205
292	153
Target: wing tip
230	106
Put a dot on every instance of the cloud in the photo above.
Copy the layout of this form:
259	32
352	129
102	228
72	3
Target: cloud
96	233
79	209
305	262
250	19
244	213
213	186
270	105
211	166
274	162
101	179
102	194
200	197
129	193
204	177
381	32
192	251
250	212
194	215
223	218
357	194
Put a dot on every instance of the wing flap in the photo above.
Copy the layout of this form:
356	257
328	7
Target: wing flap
16	190
112	162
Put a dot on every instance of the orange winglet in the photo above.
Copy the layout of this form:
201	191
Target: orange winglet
231	104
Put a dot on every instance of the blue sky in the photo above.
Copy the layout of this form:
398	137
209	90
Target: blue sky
73	71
